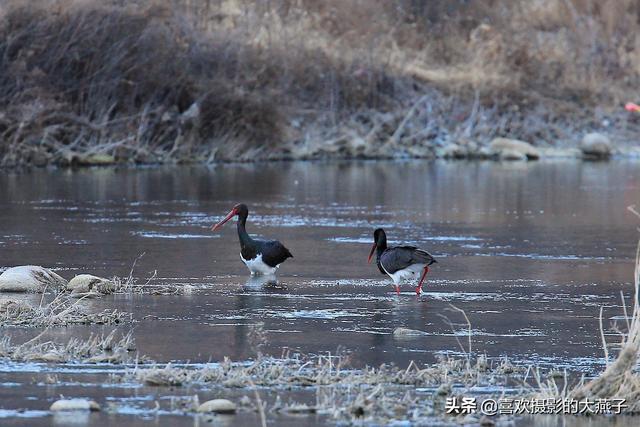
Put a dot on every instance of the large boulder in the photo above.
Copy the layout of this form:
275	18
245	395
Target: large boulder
83	283
595	146
513	149
512	155
30	278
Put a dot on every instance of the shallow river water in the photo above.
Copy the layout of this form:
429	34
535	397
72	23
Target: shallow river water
530	251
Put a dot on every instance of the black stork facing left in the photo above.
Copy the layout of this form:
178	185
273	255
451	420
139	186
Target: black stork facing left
260	256
400	262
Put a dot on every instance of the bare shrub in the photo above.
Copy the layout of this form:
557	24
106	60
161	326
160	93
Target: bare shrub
141	83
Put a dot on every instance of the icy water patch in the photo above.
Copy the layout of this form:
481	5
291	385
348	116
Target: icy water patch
530	268
369	239
21	413
477	332
159	235
318	314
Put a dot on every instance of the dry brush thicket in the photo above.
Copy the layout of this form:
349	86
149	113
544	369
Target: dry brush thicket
87	82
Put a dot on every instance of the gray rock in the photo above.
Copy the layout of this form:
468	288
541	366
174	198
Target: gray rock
444	389
220	406
406	332
98	159
192	114
556	374
74	405
470	419
422	151
30	278
454	151
300	408
629	151
83	283
512	155
595	146
50	357
513	149
483	153
486	421
145	157
554	152
40	158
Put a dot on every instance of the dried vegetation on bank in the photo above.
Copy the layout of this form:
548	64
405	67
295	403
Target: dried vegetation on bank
87	82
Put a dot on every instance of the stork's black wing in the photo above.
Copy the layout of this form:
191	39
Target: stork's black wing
274	252
401	257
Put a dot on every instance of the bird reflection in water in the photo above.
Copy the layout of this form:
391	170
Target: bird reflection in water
266	281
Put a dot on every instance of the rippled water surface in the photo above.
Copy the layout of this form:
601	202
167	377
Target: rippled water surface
530	251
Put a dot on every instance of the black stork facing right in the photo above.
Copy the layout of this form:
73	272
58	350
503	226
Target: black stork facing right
260	256
400	262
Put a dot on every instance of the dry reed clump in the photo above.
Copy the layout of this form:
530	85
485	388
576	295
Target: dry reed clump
63	310
96	349
131	285
375	394
296	371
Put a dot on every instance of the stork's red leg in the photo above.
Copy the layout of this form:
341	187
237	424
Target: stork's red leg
424	275
397	289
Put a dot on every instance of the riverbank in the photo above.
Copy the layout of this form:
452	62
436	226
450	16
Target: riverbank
91	83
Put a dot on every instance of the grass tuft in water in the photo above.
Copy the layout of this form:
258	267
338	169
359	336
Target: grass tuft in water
343	393
109	348
63	310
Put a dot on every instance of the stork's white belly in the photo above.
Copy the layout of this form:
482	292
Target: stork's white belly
257	266
409	273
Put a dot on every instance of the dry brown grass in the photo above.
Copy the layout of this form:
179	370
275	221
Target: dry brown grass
307	371
373	395
87	82
131	285
180	80
96	349
63	310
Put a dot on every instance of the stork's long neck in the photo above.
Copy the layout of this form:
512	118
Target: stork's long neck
245	239
381	246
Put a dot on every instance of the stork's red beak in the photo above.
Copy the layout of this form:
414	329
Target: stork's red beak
230	215
373	250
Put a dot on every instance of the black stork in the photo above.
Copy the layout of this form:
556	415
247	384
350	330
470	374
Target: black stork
400	262
260	256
